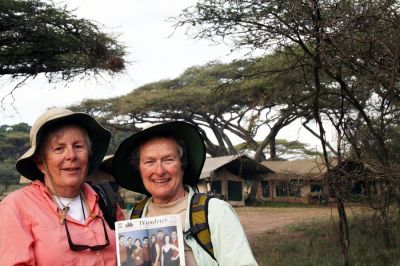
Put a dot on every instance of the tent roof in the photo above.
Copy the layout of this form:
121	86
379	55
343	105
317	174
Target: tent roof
297	169
236	164
314	166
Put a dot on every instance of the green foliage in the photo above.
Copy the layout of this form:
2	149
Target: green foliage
118	137
8	174
195	89
38	37
14	141
286	149
225	98
291	144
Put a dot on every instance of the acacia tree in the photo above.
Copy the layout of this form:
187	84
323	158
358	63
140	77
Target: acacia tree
38	37
201	96
224	100
189	97
349	55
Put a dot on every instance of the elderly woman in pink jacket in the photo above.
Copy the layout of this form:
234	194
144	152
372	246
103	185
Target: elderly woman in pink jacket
56	219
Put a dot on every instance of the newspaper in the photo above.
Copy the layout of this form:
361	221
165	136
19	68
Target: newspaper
150	241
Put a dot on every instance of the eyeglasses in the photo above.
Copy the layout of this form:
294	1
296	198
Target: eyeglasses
78	247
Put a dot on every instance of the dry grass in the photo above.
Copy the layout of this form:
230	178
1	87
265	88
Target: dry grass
257	220
308	236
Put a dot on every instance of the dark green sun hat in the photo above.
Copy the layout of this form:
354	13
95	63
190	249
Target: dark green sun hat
128	177
99	136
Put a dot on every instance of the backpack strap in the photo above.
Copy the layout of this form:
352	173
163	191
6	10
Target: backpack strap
107	201
138	208
198	217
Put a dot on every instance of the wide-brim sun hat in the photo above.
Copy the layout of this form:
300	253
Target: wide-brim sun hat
103	172
128	177
106	164
99	136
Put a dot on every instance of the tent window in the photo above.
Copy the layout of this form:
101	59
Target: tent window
265	189
281	189
316	188
284	189
235	191
294	191
216	187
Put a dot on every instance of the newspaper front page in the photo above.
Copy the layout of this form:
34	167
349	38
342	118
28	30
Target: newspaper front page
150	241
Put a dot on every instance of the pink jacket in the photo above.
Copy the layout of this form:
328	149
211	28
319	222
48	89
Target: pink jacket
31	232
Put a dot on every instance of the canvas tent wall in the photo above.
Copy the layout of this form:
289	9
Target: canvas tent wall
227	176
294	181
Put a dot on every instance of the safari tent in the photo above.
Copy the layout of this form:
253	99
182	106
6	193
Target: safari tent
226	176
294	181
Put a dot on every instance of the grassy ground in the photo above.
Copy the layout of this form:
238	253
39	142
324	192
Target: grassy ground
316	243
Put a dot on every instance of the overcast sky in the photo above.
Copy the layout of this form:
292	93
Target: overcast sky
153	55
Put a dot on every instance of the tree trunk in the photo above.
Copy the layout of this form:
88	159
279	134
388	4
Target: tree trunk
385	214
252	198
272	145
343	232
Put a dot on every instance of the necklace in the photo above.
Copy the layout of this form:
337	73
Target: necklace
75	208
65	208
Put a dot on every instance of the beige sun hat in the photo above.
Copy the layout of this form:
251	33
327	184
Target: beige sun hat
99	136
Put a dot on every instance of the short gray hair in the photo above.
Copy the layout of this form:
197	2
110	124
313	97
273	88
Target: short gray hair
134	159
57	130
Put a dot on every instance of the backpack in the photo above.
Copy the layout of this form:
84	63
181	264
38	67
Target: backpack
108	199
198	219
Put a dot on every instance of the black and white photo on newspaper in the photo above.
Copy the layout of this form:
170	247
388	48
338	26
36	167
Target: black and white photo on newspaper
150	241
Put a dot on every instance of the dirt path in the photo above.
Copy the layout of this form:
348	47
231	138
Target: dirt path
273	220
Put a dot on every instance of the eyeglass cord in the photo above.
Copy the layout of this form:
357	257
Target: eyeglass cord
83	209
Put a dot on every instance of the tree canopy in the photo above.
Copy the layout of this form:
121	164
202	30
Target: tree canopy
38	37
222	99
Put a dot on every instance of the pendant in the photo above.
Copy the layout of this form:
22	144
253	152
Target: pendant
63	214
62	217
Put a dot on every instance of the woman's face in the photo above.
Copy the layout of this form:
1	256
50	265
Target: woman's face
167	239
161	169
153	238
137	243
66	154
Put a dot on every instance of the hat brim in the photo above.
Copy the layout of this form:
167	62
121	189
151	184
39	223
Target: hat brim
99	136
106	164
129	178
